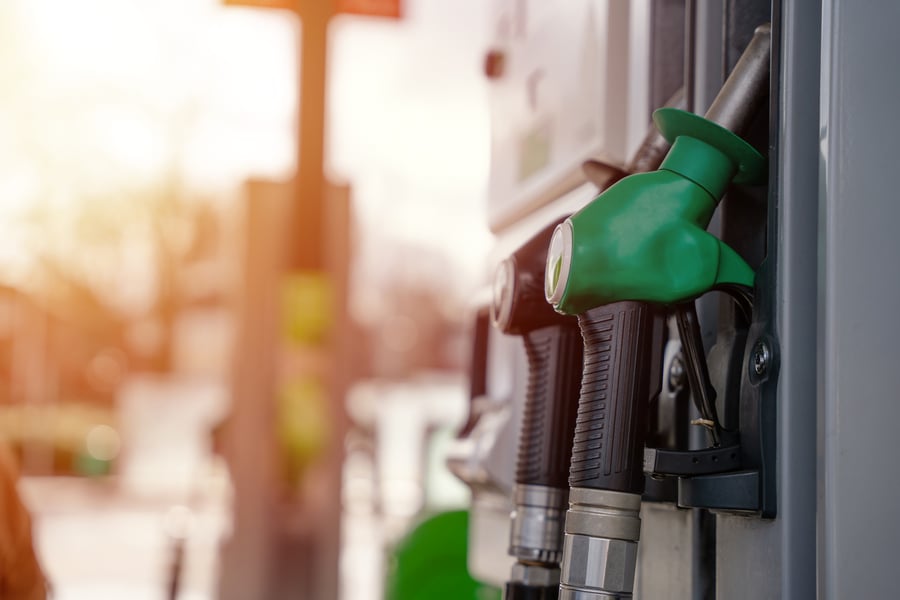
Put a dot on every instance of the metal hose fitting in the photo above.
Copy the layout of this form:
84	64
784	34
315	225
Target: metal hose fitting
537	524
601	544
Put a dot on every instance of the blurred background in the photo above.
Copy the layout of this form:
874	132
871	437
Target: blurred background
238	245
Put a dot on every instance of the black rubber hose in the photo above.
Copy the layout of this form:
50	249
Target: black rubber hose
548	424
611	425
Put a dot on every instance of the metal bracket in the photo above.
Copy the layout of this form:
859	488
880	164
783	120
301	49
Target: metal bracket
738	476
737	491
659	462
752	489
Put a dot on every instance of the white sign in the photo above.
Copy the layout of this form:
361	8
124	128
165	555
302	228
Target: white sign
562	93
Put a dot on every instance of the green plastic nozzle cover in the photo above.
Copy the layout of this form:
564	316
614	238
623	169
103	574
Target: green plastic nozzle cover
430	563
645	237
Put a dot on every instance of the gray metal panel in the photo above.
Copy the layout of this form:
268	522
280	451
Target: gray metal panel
796	292
748	558
664	555
776	559
859	491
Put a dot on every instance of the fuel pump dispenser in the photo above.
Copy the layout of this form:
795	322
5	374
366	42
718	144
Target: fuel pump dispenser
639	249
763	468
554	349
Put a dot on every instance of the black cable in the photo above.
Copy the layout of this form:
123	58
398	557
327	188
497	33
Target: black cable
697	370
742	296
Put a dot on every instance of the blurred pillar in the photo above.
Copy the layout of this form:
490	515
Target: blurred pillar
286	541
319	244
286	544
312	535
308	251
248	438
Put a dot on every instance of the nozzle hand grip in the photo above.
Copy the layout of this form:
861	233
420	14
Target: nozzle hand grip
611	425
554	364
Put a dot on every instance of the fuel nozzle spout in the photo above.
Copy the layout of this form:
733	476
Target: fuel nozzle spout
554	350
640	246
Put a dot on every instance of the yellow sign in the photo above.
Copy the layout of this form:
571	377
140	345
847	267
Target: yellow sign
307	303
303	425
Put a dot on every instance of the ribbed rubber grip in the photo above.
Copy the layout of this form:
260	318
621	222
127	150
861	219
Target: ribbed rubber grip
612	411
548	424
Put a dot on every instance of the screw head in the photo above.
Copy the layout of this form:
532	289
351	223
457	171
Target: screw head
761	357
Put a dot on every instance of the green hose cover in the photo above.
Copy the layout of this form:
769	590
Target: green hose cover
645	237
430	563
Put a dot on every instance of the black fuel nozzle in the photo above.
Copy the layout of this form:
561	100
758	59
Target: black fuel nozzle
554	348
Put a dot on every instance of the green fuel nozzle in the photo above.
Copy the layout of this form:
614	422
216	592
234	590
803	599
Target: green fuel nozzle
645	237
